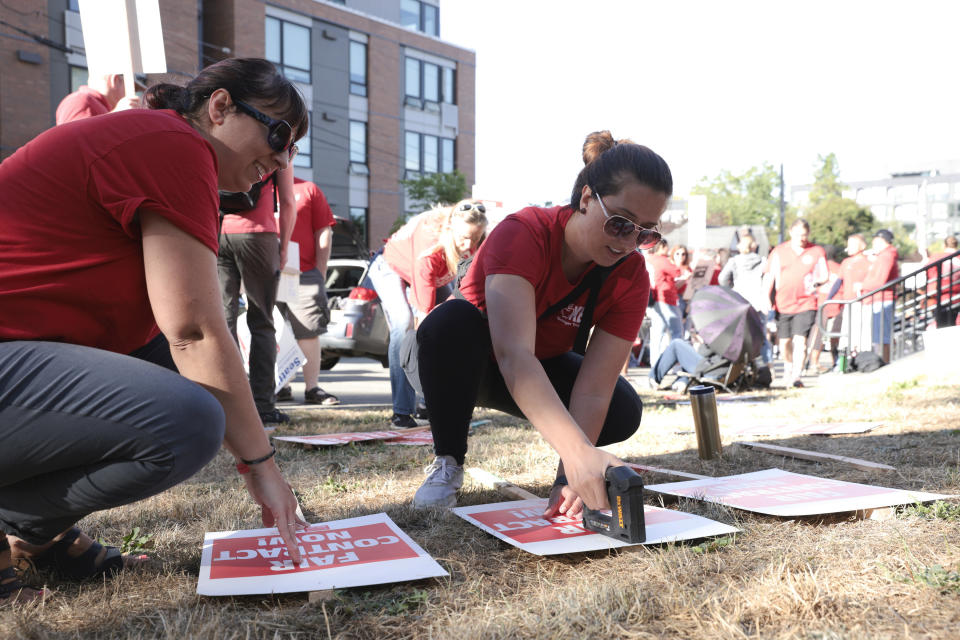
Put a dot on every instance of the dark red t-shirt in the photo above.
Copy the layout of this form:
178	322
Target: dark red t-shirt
313	214
852	270
529	244
82	103
71	255
665	274
883	268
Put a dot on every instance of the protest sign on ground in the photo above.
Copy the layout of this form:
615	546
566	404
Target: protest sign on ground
335	439
783	493
343	553
823	428
416	438
521	524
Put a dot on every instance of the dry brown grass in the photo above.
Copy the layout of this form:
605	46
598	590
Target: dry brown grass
840	578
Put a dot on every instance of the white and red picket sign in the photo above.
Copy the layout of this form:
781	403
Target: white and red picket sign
782	493
417	438
334	439
521	524
344	553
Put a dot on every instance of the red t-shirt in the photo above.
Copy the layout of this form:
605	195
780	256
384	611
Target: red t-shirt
852	270
796	276
71	256
529	244
664	282
261	219
313	214
82	103
883	268
413	254
949	276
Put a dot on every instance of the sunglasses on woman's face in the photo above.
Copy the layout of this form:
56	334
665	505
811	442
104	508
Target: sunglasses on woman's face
620	227
467	206
279	132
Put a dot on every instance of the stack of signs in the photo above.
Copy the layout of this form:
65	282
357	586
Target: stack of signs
824	428
782	493
343	553
521	524
417	438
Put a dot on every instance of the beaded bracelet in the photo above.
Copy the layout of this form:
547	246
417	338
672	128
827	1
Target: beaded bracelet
244	465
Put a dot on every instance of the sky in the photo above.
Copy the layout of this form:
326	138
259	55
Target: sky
710	86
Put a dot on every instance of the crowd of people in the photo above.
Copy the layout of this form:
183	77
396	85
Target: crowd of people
120	372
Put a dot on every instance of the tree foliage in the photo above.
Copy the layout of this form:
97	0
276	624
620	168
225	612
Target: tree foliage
832	217
751	198
433	189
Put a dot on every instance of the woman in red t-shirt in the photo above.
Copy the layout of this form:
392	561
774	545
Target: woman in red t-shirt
413	273
109	229
508	344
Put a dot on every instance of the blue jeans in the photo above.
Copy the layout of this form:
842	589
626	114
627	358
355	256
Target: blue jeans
666	324
882	321
677	352
391	289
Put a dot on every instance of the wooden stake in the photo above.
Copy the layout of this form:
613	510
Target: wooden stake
817	457
508	489
668	472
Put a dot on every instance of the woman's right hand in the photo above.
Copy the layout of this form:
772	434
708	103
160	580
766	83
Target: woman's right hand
277	502
586	472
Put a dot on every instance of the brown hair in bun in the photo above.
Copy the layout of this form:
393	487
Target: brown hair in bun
610	163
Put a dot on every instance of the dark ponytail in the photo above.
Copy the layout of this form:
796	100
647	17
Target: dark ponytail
253	80
610	163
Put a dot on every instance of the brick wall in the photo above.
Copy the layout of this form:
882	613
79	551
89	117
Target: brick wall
23	86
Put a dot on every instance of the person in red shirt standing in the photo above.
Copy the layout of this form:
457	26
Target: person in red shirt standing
949	284
413	273
666	319
853	270
102	94
513	339
795	268
882	269
308	314
109	234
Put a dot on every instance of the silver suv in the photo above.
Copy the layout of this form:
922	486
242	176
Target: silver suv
357	327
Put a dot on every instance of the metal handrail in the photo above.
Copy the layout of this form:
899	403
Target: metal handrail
912	311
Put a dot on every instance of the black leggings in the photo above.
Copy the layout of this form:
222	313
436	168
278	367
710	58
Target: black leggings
458	373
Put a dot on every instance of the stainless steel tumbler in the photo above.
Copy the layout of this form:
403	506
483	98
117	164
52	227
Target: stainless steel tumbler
703	399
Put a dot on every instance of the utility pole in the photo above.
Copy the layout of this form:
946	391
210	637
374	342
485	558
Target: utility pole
783	206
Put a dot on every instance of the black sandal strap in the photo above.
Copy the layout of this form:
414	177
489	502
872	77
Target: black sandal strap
85	565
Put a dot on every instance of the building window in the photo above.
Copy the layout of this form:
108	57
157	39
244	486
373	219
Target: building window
420	16
426	153
78	76
449	85
360	216
288	46
304	157
358	148
425	82
358	68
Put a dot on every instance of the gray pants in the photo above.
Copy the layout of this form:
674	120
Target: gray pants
254	260
83	430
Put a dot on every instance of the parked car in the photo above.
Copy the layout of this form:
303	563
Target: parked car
358	326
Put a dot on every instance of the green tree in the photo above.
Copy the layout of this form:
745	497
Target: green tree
432	189
826	180
832	217
751	198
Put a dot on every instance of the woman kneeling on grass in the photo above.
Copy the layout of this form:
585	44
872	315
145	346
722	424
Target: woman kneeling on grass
517	309
109	234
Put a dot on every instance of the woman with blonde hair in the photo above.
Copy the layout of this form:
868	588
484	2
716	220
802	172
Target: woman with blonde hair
412	275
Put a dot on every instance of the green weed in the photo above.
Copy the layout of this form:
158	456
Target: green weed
713	545
133	542
938	578
938	510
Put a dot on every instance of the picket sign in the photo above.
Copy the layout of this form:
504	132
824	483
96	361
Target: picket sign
289	356
521	524
336	439
123	36
816	456
289	286
354	552
781	493
821	428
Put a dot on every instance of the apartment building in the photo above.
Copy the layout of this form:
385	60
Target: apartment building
388	98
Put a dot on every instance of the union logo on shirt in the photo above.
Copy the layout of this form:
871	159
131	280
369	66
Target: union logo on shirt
571	315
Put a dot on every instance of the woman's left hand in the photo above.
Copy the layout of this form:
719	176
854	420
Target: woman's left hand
563	501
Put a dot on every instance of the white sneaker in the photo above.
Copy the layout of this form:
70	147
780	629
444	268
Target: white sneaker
440	487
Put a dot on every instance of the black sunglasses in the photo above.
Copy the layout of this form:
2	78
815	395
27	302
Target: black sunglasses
620	227
467	206
279	132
